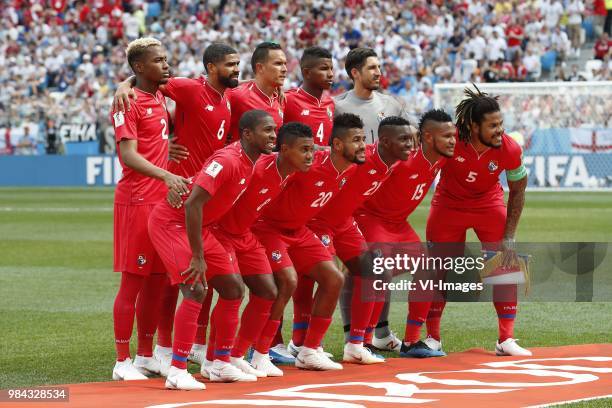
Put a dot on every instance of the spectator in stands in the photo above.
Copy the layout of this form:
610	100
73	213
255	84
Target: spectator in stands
575	10
26	145
602	46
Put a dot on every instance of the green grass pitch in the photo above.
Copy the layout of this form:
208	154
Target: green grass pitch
57	286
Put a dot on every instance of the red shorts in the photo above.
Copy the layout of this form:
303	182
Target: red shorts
285	248
451	224
389	238
248	254
133	250
345	241
172	244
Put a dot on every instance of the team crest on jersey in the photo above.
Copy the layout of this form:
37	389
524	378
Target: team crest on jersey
280	113
325	240
276	256
372	172
493	166
242	181
381	116
342	182
149	111
141	260
329	112
229	107
377	253
209	108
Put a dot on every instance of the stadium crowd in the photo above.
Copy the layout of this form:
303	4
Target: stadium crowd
61	60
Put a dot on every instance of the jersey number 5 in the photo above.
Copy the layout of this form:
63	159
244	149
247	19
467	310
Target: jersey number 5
471	177
322	199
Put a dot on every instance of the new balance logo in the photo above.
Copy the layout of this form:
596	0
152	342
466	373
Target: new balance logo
305	112
242	181
460	159
414	176
319	183
263	191
209	108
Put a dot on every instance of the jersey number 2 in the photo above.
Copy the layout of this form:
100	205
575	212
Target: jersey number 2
164	134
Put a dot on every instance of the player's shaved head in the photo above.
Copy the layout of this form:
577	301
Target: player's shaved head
260	55
216	53
432	118
389	122
250	119
139	48
312	55
342	124
290	132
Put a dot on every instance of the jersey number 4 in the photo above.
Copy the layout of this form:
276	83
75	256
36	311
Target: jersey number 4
322	199
320	133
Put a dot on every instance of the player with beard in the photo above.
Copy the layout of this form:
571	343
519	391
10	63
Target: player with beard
202	122
309	104
269	65
470	195
383	217
364	100
291	246
338	231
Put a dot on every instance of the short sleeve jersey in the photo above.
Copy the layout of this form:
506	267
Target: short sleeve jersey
403	190
306	193
318	114
247	97
147	123
363	183
265	185
471	179
225	176
202	121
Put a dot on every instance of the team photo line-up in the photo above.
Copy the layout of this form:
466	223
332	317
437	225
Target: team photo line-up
271	189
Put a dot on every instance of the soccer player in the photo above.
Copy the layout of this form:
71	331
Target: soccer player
202	121
470	195
383	217
269	66
270	175
363	67
338	231
142	145
308	104
191	252
291	246
364	100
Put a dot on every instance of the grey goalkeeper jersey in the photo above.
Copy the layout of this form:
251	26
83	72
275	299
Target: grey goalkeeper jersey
371	111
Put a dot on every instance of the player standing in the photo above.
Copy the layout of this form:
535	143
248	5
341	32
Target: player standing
142	145
191	252
383	217
470	195
309	104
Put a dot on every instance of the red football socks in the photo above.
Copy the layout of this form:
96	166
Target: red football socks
203	318
147	312
362	307
123	312
166	314
302	306
433	319
267	334
185	326
255	316
316	331
226	322
417	314
504	300
376	310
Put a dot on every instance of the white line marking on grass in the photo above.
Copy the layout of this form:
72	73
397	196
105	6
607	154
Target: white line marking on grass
56	209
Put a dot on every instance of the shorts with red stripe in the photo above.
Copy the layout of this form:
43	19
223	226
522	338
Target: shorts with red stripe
451	224
389	238
133	250
345	241
248	254
299	247
170	240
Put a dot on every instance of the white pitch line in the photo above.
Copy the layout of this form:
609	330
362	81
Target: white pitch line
56	209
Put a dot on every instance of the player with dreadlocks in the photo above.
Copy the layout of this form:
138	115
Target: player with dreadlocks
470	195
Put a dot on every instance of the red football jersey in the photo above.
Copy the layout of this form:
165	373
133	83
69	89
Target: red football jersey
202	121
471	180
225	175
306	193
146	122
318	114
363	183
248	96
403	190
266	183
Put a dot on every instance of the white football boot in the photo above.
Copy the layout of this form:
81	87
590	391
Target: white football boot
311	359
263	363
226	372
181	380
147	365
125	371
510	347
356	353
